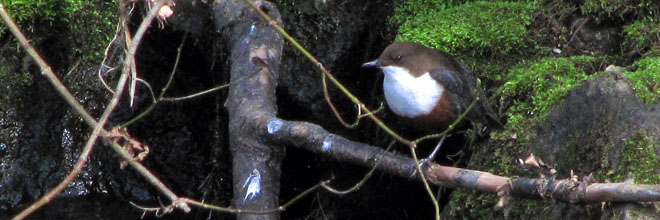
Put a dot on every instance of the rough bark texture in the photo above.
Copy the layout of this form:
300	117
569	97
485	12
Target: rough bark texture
255	49
39	139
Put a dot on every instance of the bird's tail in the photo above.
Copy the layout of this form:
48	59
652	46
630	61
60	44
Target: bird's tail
485	115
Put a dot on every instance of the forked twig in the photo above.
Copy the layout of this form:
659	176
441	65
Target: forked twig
354	99
326	184
98	126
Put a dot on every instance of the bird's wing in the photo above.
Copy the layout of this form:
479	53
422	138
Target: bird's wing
457	79
460	81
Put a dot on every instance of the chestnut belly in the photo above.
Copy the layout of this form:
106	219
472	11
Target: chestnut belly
444	113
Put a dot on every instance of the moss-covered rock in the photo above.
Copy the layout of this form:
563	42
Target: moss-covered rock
618	10
599	127
469	204
562	109
645	81
482	27
90	24
640	36
639	161
536	86
39	134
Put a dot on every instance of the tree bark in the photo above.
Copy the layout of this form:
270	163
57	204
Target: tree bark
255	53
257	136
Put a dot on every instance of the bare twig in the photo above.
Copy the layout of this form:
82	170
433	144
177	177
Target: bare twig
182	98
121	25
128	62
163	90
176	64
45	69
257	212
427	186
337	115
208	91
332	78
354	99
98	126
332	106
326	184
161	210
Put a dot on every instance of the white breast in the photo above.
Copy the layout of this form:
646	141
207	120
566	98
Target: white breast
409	96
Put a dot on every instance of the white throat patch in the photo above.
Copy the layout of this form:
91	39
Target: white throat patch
409	96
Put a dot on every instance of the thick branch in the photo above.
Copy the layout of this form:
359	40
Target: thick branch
255	52
256	131
313	138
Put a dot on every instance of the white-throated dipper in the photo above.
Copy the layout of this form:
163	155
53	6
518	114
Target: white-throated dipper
429	89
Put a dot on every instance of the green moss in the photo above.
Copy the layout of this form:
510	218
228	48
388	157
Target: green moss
411	8
484	28
11	81
653	52
535	87
639	160
23	10
468	204
640	35
94	27
89	23
531	90
619	9
646	80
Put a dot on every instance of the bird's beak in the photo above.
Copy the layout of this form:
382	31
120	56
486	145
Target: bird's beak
371	64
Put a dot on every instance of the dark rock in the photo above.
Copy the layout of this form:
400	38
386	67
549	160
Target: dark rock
587	132
587	135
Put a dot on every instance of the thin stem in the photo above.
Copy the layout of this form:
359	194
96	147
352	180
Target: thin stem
451	127
338	116
257	212
176	64
332	106
425	182
140	116
45	69
172	99
128	62
106	54
330	76
162	92
98	126
326	184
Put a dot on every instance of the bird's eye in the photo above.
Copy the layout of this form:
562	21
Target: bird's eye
397	58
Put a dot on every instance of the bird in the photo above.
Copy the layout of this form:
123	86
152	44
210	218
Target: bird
429	89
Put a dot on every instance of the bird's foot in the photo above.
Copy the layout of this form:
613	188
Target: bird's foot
426	162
